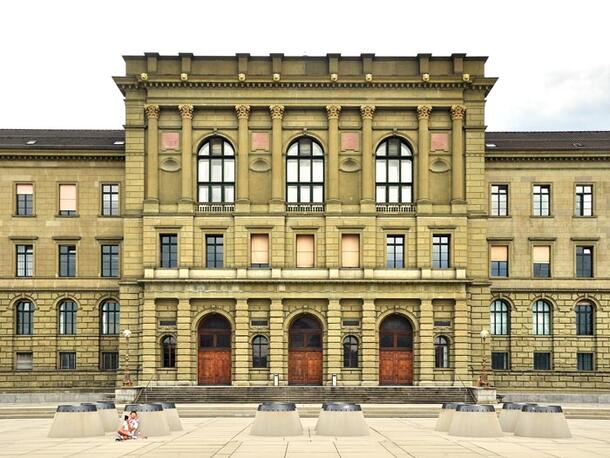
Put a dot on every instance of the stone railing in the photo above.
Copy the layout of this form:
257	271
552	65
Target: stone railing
396	208
305	208
215	208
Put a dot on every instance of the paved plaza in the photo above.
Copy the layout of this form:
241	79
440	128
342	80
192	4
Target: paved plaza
229	437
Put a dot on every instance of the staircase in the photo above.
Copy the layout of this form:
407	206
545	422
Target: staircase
306	394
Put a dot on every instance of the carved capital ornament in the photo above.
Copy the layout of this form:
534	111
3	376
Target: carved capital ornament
367	111
333	111
186	111
152	111
423	111
277	111
458	112
243	111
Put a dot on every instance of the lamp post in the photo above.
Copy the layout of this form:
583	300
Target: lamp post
126	376
483	375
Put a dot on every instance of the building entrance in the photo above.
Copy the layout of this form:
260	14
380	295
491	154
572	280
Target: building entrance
305	351
395	351
214	356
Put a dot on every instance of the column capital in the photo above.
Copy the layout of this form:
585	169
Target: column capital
277	111
152	111
243	111
333	111
457	112
423	111
186	111
367	111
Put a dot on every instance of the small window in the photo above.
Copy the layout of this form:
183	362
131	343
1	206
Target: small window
169	251
350	250
259	251
67	360
67	317
262	323
351	322
441	251
441	352
499	361
168	350
584	361
584	319
24	311
542	361
260	352
500	318
499	261
542	261
584	261
67	199
305	250
542	318
499	200
110	260
584	200
24	260
109	361
110	317
67	260
24	361
541	200
24	205
214	254
350	352
110	199
395	251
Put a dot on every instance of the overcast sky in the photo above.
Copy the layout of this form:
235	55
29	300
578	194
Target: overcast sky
552	57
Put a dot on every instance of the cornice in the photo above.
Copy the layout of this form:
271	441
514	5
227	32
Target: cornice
16	155
532	156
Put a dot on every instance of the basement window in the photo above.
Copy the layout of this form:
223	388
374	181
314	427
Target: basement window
31	142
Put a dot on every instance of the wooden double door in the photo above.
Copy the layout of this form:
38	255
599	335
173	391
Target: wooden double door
214	355
305	351
395	351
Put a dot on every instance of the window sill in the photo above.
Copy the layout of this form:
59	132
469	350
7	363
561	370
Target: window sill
15	215
109	216
67	216
167	369
584	216
542	216
500	216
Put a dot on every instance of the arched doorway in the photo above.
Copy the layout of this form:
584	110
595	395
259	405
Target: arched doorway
395	351
214	356
305	351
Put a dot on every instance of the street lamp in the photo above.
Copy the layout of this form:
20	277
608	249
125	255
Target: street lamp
126	377
483	375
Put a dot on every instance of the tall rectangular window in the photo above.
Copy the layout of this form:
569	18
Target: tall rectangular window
305	250
542	261
259	251
67	199
24	361
584	261
499	260
441	251
350	250
110	260
395	251
169	251
499	200
24	206
214	251
25	260
584	361
584	200
109	361
110	199
67	260
542	361
499	360
541	200
67	360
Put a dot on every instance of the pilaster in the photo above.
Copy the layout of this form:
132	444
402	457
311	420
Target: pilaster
184	342
149	334
457	155
333	203
277	360
242	203
423	147
461	345
242	347
426	343
367	202
152	155
334	347
370	364
186	113
277	166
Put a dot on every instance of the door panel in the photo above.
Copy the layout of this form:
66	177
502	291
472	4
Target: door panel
215	367
395	367
305	367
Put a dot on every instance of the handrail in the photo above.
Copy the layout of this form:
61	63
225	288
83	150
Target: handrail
469	393
135	401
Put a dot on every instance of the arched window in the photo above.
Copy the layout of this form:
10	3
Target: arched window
67	317
305	172
396	333
168	351
584	319
542	317
441	352
393	172
25	318
110	317
500	318
216	171
305	333
260	352
350	351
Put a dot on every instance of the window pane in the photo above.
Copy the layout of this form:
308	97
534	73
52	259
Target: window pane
292	194
304	171
204	170
216	170
350	250
216	194
405	171
229	194
318	194
229	170
380	194
406	196
393	167
380	171
292	170
393	194
67	197
318	171
203	194
305	194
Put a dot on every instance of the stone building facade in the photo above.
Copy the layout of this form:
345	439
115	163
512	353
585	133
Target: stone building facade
304	220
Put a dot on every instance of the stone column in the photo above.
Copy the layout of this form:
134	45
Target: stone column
426	343
184	341
423	146
277	166
277	363
457	153
152	150
149	339
242	347
367	202
333	335
369	345
332	201
186	113
243	147
461	345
